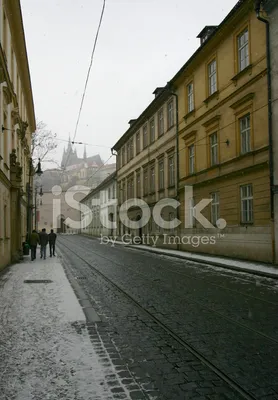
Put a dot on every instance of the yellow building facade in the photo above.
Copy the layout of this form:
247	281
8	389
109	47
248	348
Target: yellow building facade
17	121
146	163
223	139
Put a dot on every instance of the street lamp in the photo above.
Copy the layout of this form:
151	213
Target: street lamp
36	211
32	172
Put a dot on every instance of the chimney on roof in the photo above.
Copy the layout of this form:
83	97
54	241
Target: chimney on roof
158	90
206	33
131	122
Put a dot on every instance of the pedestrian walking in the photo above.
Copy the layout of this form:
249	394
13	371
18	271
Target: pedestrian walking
43	242
52	240
34	241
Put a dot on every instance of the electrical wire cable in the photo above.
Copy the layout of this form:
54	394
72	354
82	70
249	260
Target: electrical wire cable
88	75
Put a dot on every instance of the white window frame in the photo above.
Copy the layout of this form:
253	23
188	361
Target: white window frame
145	136
190	97
161	178
246	203
138	147
214	207
145	182
160	122
138	184
170	113
212	77
213	139
191	159
243	50
152	130
152	178
171	166
245	133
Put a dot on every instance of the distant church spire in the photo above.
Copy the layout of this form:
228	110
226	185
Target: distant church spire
85	153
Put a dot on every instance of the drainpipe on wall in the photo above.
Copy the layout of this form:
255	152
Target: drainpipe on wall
270	132
177	149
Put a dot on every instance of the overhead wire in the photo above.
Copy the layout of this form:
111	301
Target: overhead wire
88	75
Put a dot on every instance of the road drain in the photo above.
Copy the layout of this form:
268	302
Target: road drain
37	281
80	277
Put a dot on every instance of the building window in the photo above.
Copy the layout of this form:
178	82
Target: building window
146	188
190	97
131	148
214	208
212	78
161	174
123	155
160	122
246	195
171	165
114	192
128	152
152	131
170	114
213	149
152	179
138	184
191	158
245	134
128	189
243	50
145	136
124	193
138	147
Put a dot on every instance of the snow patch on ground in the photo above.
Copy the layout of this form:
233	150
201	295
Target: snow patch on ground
45	349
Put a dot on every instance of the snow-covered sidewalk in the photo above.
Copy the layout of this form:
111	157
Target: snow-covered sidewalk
46	350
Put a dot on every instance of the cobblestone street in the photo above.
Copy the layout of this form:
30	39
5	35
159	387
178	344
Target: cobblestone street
183	330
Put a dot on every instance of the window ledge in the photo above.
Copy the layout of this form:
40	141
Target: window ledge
152	193
171	187
241	73
189	114
212	96
161	190
246	223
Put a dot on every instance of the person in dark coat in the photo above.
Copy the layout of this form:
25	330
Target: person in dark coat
52	240
34	241
43	242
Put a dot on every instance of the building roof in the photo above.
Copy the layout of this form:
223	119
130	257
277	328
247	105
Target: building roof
110	178
234	10
161	95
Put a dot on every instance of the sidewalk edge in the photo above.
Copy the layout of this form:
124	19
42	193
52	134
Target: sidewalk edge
208	262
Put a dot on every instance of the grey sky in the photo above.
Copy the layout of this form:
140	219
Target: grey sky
141	45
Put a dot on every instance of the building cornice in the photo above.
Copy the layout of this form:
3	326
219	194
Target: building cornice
14	15
152	108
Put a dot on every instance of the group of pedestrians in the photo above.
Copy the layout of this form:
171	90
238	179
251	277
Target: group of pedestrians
43	239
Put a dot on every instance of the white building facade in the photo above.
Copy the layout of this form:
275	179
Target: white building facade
98	210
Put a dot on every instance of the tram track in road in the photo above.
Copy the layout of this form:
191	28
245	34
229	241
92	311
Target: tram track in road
209	309
175	271
222	375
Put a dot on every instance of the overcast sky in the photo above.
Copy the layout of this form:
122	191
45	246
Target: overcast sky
141	45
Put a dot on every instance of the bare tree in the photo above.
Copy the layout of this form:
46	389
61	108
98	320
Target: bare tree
43	142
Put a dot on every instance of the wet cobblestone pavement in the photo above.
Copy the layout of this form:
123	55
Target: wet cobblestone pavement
168	328
160	303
